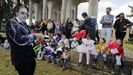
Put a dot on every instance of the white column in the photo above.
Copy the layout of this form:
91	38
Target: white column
40	11
75	12
58	17
50	4
93	8
36	11
30	11
44	9
63	11
69	9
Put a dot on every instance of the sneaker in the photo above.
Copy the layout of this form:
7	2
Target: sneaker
105	67
112	72
122	73
93	64
87	66
52	63
64	69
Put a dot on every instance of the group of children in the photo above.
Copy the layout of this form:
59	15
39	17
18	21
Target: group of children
54	48
113	49
58	47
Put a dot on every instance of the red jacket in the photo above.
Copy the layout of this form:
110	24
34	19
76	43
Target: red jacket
120	51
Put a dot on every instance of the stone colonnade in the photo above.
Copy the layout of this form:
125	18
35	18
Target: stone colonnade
60	10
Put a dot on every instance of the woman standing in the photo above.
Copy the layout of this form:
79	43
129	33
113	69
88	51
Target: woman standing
50	26
44	26
120	25
68	28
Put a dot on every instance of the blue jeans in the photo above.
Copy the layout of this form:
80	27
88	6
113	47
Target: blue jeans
106	33
122	63
105	59
64	62
51	58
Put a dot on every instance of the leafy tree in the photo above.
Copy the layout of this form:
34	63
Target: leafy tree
6	8
131	15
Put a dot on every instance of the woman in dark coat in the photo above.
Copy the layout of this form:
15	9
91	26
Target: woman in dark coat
44	27
120	25
68	28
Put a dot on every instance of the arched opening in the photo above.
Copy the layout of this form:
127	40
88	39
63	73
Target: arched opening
82	7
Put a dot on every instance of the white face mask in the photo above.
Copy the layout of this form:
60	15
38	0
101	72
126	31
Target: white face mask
22	14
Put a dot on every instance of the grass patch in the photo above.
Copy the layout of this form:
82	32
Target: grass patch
129	46
42	67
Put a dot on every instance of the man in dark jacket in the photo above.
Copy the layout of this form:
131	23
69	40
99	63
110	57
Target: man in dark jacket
89	25
20	39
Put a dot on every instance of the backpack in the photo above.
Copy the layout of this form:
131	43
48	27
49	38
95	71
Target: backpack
93	21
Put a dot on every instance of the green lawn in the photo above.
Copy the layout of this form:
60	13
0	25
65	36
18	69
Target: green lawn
129	46
42	67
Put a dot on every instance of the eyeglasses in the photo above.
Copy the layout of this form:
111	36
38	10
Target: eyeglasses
23	13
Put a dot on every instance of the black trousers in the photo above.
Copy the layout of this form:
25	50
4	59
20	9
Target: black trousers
92	34
120	35
26	69
97	35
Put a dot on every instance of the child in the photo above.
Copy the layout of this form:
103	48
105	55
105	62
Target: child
53	53
46	38
91	46
101	49
40	43
74	43
58	37
65	57
6	44
65	40
118	57
86	47
60	47
52	42
53	56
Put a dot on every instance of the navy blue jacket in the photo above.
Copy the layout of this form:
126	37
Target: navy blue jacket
20	39
89	24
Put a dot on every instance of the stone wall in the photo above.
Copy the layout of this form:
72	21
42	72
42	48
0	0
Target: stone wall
99	69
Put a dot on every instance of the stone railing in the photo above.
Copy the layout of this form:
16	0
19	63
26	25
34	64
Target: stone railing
99	69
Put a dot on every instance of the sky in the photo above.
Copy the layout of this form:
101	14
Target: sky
117	6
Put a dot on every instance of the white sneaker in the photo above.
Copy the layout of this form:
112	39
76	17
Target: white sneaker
112	72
